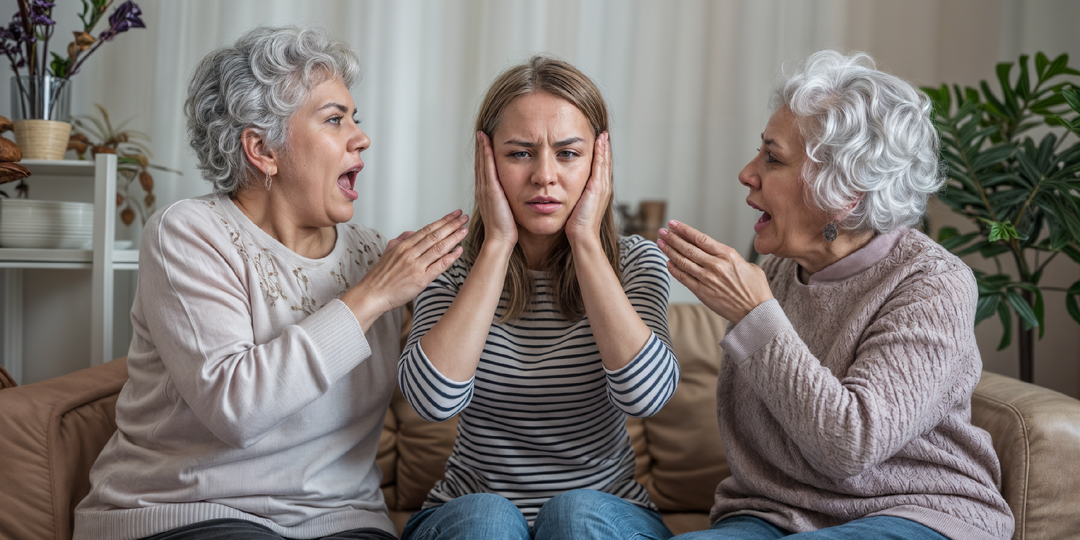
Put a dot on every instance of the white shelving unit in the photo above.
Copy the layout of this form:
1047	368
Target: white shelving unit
102	260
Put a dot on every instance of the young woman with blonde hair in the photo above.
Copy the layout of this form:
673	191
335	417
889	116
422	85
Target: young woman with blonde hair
546	333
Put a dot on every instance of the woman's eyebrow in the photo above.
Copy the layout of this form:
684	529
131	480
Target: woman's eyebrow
337	106
525	144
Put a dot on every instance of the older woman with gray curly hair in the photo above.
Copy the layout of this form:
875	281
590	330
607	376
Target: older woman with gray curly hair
266	328
844	398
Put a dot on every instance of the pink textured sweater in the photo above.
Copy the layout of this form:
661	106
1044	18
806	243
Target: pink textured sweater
850	396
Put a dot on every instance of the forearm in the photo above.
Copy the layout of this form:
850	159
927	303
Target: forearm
618	329
455	342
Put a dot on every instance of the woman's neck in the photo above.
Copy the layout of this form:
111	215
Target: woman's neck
846	243
275	217
536	248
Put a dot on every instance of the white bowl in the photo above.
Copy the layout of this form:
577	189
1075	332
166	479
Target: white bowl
45	215
43	241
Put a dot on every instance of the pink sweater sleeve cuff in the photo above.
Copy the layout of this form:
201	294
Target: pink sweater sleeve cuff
757	328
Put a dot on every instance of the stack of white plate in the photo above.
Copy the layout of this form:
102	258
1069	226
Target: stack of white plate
28	223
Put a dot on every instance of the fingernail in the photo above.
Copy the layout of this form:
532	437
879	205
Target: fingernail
661	243
673	224
663	232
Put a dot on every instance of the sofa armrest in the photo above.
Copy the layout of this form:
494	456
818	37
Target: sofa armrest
51	432
1036	434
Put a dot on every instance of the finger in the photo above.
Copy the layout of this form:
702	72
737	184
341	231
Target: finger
441	264
457	216
393	243
440	232
679	259
688	281
699	239
442	245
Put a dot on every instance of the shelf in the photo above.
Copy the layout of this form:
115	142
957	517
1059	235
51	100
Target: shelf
59	168
102	261
123	259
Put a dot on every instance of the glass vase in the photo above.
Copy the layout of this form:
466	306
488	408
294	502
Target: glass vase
40	97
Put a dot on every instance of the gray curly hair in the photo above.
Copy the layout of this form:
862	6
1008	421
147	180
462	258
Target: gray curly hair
257	83
870	139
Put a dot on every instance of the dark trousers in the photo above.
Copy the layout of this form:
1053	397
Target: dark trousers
239	529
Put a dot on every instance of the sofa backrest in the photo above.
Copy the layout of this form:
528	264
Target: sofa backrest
50	435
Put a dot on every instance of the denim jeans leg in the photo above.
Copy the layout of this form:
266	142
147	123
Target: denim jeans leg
737	528
585	514
480	516
874	528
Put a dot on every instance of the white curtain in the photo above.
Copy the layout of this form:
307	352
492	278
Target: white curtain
687	81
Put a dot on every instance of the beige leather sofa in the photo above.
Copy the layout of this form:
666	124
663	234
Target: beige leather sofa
51	432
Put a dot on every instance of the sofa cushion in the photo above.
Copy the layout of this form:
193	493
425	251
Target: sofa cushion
686	456
52	433
1036	437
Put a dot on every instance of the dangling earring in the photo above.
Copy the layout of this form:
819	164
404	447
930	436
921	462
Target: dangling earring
830	231
268	180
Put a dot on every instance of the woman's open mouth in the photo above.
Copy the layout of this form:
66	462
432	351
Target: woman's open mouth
763	221
347	181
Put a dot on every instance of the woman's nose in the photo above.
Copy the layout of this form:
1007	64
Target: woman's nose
747	176
359	141
544	173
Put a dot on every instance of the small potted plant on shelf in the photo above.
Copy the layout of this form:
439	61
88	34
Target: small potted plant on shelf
97	135
1021	193
41	94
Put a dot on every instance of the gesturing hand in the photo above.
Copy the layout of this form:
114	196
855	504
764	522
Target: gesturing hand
714	272
499	223
589	212
409	263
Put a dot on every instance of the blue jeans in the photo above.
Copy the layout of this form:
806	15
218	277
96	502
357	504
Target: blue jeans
580	514
871	528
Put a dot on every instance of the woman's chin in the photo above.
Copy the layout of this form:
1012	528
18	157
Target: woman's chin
762	245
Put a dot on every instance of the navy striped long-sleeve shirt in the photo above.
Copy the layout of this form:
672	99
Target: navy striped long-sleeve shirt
542	415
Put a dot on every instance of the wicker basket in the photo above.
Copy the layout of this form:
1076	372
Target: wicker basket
42	139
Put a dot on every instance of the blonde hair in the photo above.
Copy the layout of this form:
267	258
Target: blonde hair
564	81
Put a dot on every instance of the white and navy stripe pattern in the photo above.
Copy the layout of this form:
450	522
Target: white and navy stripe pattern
542	415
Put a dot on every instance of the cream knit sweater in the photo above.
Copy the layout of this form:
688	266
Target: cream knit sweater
252	393
850	396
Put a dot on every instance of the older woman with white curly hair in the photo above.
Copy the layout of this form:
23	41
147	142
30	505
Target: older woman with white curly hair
266	328
844	398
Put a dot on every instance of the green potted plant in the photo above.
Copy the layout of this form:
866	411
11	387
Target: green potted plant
1013	161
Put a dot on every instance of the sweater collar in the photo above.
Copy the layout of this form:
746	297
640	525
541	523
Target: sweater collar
872	253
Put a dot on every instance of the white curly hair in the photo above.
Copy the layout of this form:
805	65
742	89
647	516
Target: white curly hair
870	139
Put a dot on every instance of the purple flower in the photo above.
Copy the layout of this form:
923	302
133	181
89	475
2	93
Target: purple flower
123	18
40	11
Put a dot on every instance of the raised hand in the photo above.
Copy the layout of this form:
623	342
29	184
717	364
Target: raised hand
410	262
499	223
587	216
714	272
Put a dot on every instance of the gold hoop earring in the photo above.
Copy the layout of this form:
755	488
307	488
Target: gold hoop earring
268	180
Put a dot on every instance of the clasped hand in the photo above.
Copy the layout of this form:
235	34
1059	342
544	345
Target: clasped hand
714	272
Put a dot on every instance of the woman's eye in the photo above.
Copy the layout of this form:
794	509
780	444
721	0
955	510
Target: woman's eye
520	154
335	119
567	154
770	158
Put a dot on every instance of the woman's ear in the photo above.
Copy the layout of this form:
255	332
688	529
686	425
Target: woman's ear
257	152
849	208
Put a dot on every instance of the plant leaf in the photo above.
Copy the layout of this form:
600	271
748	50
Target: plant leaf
1070	301
1023	309
1006	325
986	307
